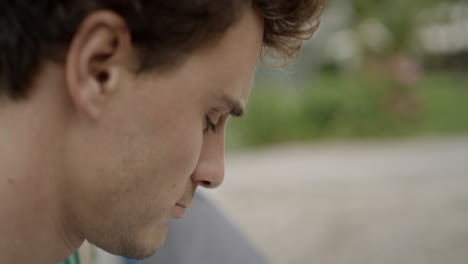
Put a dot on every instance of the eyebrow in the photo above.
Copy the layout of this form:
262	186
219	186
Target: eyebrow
235	107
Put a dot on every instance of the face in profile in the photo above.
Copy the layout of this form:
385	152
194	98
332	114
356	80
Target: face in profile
155	137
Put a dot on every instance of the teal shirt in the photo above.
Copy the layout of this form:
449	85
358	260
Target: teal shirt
73	259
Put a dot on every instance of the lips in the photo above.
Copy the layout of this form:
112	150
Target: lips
179	211
183	205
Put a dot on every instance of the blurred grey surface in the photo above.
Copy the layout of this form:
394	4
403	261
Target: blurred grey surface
381	202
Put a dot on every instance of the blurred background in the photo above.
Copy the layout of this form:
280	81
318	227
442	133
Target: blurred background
375	70
358	151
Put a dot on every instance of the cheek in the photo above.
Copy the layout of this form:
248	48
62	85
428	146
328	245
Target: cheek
162	157
182	149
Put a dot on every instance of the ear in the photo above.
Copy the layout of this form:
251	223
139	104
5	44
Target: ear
100	53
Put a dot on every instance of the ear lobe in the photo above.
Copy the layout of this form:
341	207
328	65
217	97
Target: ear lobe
96	59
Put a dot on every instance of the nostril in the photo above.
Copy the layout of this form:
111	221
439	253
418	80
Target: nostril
206	183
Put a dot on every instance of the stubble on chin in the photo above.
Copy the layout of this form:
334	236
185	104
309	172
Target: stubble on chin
130	246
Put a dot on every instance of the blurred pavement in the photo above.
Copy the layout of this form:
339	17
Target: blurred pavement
391	202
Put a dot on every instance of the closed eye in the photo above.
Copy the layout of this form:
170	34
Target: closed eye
209	126
212	121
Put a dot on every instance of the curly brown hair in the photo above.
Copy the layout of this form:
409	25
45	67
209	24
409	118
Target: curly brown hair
289	23
164	32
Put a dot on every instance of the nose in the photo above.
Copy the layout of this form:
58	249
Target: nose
209	172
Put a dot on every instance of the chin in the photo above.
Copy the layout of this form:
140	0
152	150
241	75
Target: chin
139	245
135	250
137	254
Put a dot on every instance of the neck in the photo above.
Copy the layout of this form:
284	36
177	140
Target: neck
32	225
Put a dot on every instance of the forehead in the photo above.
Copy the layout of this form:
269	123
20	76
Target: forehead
222	69
232	61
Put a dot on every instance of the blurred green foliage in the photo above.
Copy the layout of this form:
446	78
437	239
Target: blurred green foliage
352	106
374	77
399	16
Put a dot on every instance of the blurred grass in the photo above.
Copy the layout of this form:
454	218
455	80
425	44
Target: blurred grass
352	106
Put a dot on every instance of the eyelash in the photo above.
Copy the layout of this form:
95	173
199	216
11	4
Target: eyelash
210	126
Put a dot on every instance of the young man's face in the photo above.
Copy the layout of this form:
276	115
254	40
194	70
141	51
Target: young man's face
133	168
